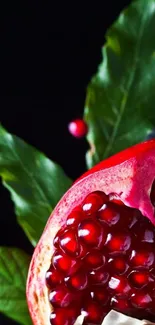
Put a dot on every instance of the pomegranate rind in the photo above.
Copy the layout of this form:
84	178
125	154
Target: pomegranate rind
129	174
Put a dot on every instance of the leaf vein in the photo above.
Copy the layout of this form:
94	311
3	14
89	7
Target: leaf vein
129	84
31	176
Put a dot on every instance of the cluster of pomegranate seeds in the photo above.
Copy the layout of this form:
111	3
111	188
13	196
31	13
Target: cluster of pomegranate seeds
104	259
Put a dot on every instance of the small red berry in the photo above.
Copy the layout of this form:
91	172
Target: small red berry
78	128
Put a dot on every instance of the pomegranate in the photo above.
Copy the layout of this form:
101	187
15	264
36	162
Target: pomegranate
97	251
78	128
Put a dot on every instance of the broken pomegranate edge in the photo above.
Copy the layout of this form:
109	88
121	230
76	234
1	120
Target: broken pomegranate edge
128	175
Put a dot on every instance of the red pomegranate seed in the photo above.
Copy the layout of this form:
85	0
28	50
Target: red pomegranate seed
109	214
74	311
75	217
65	263
94	259
78	281
141	300
60	297
57	236
142	258
93	202
58	317
93	312
101	295
65	316
118	265
119	284
118	242
91	233
120	303
53	277
69	242
139	279
99	276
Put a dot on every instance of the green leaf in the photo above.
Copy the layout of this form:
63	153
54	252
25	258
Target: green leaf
13	273
34	181
120	101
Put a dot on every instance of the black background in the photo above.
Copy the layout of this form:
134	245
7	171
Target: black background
48	55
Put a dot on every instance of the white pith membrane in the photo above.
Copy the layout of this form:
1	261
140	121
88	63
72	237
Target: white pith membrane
117	318
37	292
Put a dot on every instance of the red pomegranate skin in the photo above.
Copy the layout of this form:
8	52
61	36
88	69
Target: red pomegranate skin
127	177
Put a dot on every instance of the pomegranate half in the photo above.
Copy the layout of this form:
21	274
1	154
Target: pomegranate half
97	251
